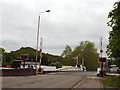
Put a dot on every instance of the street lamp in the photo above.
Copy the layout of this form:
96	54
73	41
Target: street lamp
38	36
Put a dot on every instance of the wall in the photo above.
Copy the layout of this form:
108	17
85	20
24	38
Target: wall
18	72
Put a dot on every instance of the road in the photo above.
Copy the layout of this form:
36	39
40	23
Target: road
51	80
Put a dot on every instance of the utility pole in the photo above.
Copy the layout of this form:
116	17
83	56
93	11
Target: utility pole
83	63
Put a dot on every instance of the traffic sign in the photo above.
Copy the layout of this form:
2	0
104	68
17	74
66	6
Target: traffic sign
102	59
24	56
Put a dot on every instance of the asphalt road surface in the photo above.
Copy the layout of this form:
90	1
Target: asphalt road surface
51	80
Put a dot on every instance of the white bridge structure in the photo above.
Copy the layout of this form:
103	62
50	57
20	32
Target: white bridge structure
64	68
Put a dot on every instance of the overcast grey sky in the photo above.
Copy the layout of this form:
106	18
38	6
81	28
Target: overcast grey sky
68	23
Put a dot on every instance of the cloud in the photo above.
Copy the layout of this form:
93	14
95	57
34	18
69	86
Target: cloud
68	23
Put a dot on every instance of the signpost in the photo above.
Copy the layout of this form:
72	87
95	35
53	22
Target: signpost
24	57
41	41
102	60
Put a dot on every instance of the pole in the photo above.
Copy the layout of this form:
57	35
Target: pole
40	54
83	63
37	43
24	64
101	46
38	38
101	51
77	60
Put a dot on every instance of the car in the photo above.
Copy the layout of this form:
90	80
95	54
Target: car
114	69
8	66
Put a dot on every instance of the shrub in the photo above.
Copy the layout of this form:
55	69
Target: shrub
58	65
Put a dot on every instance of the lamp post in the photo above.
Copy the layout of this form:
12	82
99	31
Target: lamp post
38	36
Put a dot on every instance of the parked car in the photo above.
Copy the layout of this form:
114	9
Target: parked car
113	68
9	66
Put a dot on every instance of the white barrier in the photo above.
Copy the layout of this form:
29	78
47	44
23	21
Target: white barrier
49	68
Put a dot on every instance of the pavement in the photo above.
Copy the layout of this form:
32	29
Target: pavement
91	81
94	82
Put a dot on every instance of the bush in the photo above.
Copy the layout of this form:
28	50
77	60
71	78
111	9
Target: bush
52	64
58	65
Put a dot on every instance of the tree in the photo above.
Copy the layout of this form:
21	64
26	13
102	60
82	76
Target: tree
2	51
78	52
87	55
8	58
5	57
90	56
113	48
67	52
69	61
44	61
67	56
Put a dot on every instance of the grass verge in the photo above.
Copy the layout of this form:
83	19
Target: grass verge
111	81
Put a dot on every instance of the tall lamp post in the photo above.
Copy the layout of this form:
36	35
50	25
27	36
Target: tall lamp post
38	37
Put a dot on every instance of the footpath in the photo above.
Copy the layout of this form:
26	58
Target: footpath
94	82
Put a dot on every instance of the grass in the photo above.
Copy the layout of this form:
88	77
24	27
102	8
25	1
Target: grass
111	81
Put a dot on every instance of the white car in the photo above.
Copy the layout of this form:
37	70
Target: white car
114	69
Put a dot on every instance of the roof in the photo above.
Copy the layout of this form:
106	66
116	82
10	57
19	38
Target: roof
29	62
18	60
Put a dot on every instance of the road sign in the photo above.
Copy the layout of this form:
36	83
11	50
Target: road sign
101	51
24	56
102	59
40	50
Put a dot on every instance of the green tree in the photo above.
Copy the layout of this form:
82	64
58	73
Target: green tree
90	56
44	61
58	64
69	61
87	55
67	52
113	48
78	52
8	58
67	56
2	51
52	64
5	58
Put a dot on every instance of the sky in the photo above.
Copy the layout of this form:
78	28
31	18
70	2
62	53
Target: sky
68	23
